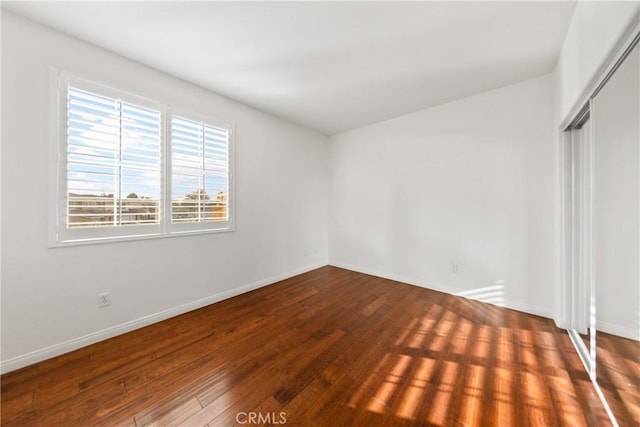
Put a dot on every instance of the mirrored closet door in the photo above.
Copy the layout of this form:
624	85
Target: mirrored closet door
602	236
615	116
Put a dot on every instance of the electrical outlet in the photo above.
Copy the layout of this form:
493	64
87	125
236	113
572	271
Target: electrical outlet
455	267
104	299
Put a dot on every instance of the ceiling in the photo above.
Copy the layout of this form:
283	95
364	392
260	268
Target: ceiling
331	66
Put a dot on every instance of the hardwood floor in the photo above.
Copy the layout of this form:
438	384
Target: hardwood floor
327	348
618	374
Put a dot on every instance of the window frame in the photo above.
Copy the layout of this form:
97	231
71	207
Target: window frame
60	235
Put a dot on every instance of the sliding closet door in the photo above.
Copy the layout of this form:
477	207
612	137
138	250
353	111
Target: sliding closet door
616	126
616	236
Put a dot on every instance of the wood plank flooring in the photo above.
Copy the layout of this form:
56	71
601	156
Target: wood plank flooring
618	374
327	348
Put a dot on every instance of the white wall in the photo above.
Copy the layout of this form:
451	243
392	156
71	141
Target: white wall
49	296
596	28
470	182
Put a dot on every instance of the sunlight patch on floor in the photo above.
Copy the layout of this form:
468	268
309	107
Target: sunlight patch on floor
490	294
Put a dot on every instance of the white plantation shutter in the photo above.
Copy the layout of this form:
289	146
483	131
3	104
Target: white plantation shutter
140	165
200	172
119	175
113	151
93	135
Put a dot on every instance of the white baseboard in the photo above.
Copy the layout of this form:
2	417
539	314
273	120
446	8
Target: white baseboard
530	309
83	341
618	330
514	305
395	277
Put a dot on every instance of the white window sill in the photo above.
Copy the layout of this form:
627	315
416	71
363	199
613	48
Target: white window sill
116	239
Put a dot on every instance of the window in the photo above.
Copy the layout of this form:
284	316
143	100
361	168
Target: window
199	172
120	176
113	161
